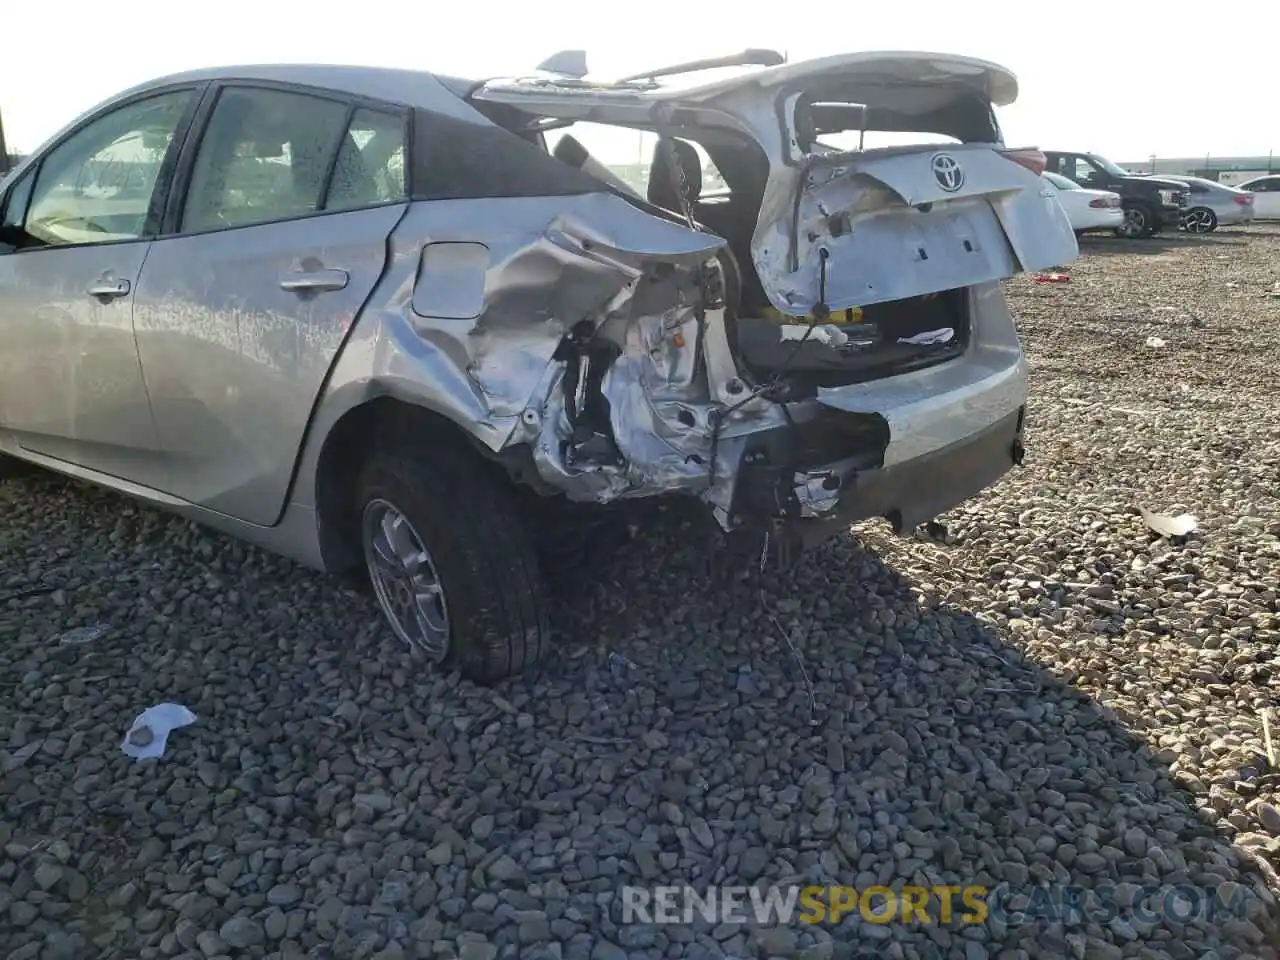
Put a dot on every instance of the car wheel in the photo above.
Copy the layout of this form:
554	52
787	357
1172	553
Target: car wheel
1200	220
452	563
1137	222
573	540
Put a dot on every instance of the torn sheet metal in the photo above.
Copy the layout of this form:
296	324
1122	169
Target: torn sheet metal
147	737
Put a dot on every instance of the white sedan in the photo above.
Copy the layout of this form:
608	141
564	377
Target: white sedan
1086	209
1266	196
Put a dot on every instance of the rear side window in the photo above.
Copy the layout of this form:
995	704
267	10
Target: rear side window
370	168
266	155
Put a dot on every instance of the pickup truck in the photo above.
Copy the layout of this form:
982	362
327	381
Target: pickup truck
1150	203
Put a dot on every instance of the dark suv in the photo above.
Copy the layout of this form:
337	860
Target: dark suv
1150	203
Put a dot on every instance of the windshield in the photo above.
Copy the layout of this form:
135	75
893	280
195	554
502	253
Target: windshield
1104	164
1062	183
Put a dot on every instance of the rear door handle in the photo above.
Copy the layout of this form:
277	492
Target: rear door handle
316	280
109	289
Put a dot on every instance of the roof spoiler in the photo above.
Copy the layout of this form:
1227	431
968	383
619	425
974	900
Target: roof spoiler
567	63
573	63
747	58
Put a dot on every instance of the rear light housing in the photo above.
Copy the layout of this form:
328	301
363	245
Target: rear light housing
1105	203
1244	199
1030	157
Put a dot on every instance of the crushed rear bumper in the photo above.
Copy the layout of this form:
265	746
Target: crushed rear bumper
915	491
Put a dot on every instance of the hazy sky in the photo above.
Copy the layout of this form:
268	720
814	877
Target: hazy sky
1095	82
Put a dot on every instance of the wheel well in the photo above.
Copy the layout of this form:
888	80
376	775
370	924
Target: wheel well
360	431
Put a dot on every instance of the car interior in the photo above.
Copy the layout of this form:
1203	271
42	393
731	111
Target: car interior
754	325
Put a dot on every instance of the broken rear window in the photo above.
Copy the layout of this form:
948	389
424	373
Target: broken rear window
893	116
627	152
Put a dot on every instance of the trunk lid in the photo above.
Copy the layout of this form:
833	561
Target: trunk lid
881	225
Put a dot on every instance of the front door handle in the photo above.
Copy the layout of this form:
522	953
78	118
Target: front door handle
316	281
109	289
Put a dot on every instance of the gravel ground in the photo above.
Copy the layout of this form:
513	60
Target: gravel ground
1049	694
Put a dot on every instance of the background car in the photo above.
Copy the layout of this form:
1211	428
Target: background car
1211	204
1151	204
1266	196
1086	209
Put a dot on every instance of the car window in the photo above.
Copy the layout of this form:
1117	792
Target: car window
370	167
850	140
97	185
265	155
628	153
1084	172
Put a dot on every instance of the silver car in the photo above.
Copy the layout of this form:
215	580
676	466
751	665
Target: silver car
366	319
1211	204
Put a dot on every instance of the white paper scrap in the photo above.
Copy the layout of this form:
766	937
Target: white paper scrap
827	333
929	337
150	731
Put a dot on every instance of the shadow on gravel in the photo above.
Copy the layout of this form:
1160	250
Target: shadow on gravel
935	753
670	740
1161	243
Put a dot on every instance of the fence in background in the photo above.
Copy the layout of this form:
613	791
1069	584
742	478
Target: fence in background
1228	170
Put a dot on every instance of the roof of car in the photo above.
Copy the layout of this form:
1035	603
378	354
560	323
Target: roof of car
419	87
410	88
997	82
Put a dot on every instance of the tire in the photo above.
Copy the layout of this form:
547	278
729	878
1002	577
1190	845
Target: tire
574	540
1199	220
488	591
1138	222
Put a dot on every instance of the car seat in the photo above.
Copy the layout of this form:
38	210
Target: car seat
662	189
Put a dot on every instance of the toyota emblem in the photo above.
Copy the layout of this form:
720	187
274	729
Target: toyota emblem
947	172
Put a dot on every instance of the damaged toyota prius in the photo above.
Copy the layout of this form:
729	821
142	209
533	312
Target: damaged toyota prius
387	320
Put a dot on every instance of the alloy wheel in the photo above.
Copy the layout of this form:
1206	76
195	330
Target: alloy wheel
1135	222
405	579
1198	221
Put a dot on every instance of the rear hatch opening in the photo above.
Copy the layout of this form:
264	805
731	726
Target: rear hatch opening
854	239
855	344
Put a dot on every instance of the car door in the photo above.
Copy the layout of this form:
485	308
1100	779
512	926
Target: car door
275	237
76	224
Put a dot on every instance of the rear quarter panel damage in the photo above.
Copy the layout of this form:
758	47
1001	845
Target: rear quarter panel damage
481	295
